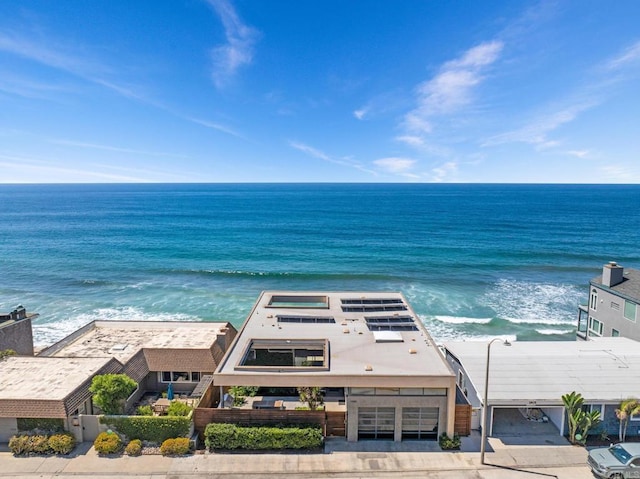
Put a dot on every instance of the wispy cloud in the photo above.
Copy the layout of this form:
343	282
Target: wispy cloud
397	166
620	174
44	171
116	149
579	153
321	155
361	113
239	48
444	172
537	131
451	88
628	56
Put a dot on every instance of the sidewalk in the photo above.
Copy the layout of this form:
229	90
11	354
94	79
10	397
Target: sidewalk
340	459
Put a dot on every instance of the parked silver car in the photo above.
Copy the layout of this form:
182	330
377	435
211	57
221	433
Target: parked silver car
620	461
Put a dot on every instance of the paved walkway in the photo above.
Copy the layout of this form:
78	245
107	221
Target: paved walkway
340	460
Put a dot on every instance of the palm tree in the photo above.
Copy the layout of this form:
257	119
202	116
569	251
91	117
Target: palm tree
628	407
573	402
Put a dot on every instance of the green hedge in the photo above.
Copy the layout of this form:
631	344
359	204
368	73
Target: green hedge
149	428
230	436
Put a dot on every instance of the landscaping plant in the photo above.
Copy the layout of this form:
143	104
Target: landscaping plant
111	390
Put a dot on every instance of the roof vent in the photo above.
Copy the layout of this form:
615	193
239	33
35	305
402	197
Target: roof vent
118	348
368	367
412	351
345	330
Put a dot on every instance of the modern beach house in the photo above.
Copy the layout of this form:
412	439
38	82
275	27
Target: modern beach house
613	307
368	352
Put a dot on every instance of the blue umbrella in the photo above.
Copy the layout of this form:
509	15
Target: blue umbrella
170	392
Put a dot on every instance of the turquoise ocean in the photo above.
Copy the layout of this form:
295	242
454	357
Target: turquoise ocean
475	260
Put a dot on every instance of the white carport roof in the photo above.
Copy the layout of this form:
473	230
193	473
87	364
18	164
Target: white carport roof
602	370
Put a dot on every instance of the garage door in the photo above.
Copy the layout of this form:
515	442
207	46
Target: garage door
8	428
420	423
376	422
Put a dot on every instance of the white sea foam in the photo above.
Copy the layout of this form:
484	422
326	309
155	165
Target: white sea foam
462	320
548	332
533	303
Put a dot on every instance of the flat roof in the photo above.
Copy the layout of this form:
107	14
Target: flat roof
402	356
45	378
601	369
123	339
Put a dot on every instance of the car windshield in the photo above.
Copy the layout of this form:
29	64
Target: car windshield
620	453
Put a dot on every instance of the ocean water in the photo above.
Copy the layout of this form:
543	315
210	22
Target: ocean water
474	261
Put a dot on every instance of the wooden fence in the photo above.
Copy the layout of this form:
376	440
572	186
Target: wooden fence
462	424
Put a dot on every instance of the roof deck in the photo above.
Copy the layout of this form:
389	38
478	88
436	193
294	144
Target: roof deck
335	338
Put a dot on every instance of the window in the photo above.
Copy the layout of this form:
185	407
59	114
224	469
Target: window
630	310
594	299
285	354
595	327
594	407
461	379
179	376
614	333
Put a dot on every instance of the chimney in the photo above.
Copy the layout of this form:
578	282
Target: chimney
612	274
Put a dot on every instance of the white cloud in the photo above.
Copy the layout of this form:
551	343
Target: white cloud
395	165
361	113
579	153
451	89
411	140
239	49
444	172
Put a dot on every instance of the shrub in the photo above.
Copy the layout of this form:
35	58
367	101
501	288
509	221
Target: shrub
107	443
39	444
177	408
134	448
447	442
144	410
230	436
19	445
178	446
62	443
149	428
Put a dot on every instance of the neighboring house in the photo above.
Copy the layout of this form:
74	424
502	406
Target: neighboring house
51	388
153	353
613	304
368	351
531	377
15	331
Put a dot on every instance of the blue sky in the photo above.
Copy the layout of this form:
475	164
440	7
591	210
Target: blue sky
321	91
